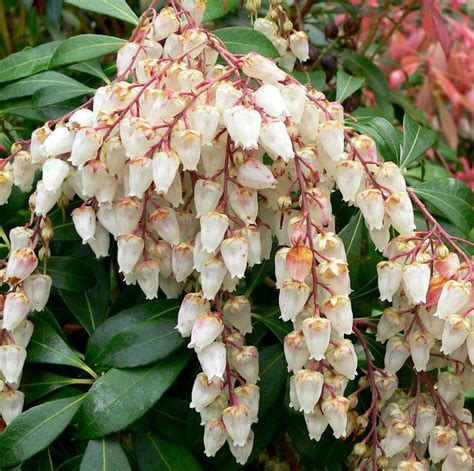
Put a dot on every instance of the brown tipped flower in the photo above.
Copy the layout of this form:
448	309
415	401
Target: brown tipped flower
299	260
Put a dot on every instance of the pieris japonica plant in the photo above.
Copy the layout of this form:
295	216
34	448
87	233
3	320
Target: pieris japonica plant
194	168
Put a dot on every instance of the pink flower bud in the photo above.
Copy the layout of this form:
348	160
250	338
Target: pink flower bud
442	441
165	167
37	289
212	359
21	263
316	424
335	409
12	359
147	273
237	421
59	142
243	125
299	261
420	346
166	225
235	252
343	358
275	139
237	311
425	422
86	144
213	228
292	298
458	459
309	385
212	276
416	281
84	222
207	327
242	453
339	312
299	45
389	279
15	309
371	205
296	351
331	137
396	354
130	248
317	332
254	174
454	296
205	119
456	330
204	392
399	435
11	404
192	305
215	435
246	364
259	67
22	333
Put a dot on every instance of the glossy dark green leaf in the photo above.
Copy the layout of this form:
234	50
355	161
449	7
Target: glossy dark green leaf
122	321
84	47
29	85
242	40
416	141
270	317
452	197
120	397
272	375
27	62
352	235
90	306
21	108
316	78
69	273
72	464
387	138
39	462
216	9
168	417
104	454
37	382
116	8
35	429
91	67
46	346
346	85
142	343
157	454
57	94
257	275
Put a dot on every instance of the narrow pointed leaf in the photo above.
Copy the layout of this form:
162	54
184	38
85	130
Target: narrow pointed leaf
346	85
316	78
216	9
272	375
116	8
416	141
352	235
59	93
242	40
91	67
104	454
70	273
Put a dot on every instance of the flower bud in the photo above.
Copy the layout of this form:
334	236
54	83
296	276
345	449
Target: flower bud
454	296
399	435
237	421
259	67
416	281
343	358
84	222
207	327
12	359
292	298
213	228
335	410
129	251
442	441
11	404
455	332
425	422
371	205
400	210
166	225
215	435
235	252
389	279
339	312
275	139
296	351
317	332
147	274
212	358
37	289
21	263
254	174
396	355
299	45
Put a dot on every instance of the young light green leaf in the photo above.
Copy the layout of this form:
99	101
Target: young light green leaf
157	454
120	397
242	40
416	141
90	305
84	47
35	429
452	198
116	8
104	454
69	273
29	85
272	375
216	9
142	343
91	67
316	78
27	62
51	95
346	85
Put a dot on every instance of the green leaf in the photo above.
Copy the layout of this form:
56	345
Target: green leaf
21	108
269	316
90	306
104	454
120	397
123	320
39	462
216	9
27	62
36	383
84	47
346	85
386	137
416	141
59	93
46	346
352	235
72	464
376	81
116	8
316	78
257	275
69	273
29	85
272	375
142	343
168	417
241	40
91	67
35	429
157	454
452	198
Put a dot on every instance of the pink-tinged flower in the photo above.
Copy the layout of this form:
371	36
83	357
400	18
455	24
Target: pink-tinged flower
399	435
182	261
317	332
254	174
237	420
259	67
292	298
249	395
21	263
212	358
192	305
207	327
296	351
213	273
299	261
215	435
442	441
454	296
84	220
235	251
246	364
335	410
187	144
309	385
130	248
165	223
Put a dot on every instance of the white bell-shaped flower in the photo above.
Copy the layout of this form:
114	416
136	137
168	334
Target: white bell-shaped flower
454	296
371	205
165	167
84	221
165	223
425	422
182	261
205	119
269	98
342	357
11	404
242	453
101	241
45	199
259	67
244	202
37	289
296	351
237	421
22	333
254	174
212	277
292	298
204	392
331	136
86	144
389	276
207	327
416	281
12	359
192	305
6	184
449	385
59	142
23	171
246	364
316	423
391	322
187	144
335	410
442	441
275	139
237	311
349	177
21	264
207	194
140	176
294	95
399	435
400	210
309	386
15	309
338	310
299	45
458	459
317	332
235	252
243	125
19	237
147	275
165	24
386	384
213	228
420	347
390	176
215	435
129	250
213	360
396	354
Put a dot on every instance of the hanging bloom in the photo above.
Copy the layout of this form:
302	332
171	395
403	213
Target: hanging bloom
182	261
269	98
349	177
442	441
425	422
235	251
299	45
215	435
296	351
213	228
399	435
420	346
371	204
309	385
259	67
342	357
166	225
254	174
454	296
11	404
19	237
84	222
390	176
386	384
335	410
212	276
339	312
21	263
275	139
331	136
204	392
12	359
130	248
317	423
237	311
86	144
317	331
191	307
292	298
37	289
400	210
456	330
211	357
147	274
389	279
458	459
415	281
246	364
244	202
205	119
299	261
243	125
207	194
237	421
396	354
207	327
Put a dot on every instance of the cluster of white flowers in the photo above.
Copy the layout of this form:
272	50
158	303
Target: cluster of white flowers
195	168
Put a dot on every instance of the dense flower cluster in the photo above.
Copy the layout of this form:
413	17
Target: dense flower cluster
195	168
